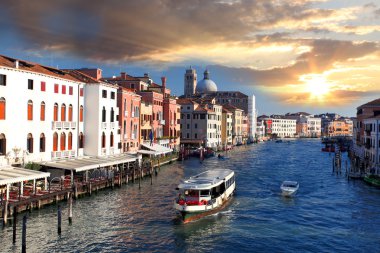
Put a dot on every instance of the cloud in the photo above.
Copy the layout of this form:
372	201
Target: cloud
143	30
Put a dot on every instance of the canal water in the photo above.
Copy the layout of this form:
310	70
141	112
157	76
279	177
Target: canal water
329	213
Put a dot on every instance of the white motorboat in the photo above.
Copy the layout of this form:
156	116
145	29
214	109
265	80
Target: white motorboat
204	194
289	188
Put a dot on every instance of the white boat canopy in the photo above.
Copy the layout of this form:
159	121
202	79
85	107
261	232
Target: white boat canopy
205	180
10	175
158	149
89	163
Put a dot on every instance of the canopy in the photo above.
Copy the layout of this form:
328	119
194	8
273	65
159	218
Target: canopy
89	163
10	175
158	149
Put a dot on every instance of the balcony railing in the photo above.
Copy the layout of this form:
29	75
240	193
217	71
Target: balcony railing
133	136
73	125
58	125
171	122
112	151
161	122
125	113
125	136
103	151
112	125
104	125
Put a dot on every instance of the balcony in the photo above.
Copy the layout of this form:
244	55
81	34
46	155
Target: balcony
73	125
133	114
103	151
112	125
112	151
104	125
161	122
56	125
133	136
125	113
171	122
125	136
56	154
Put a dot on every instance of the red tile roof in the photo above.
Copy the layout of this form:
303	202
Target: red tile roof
35	67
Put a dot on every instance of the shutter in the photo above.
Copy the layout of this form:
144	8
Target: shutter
30	112
2	109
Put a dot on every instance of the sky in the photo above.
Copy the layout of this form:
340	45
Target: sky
299	55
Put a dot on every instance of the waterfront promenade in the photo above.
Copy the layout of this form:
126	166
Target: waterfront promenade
329	214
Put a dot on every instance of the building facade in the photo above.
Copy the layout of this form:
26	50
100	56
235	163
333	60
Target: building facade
129	104
41	113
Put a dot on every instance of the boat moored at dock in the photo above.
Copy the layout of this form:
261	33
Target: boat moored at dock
204	194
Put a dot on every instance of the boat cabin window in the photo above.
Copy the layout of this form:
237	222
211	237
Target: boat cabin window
192	193
205	193
218	190
230	181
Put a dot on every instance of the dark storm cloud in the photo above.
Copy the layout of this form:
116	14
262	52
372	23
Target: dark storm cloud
323	55
118	30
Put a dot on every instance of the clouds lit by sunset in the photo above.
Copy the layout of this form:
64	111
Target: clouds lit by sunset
308	53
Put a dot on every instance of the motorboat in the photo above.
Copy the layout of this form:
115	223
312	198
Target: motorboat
204	194
289	188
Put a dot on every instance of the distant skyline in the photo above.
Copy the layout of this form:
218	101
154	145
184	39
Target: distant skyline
299	55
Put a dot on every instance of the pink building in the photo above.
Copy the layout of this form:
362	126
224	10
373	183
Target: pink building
157	121
129	104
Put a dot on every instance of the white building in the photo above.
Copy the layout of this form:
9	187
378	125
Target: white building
260	129
201	123
41	113
284	127
312	126
371	142
252	115
101	123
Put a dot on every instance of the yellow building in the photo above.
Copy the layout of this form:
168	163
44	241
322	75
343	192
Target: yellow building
340	128
237	124
226	127
146	118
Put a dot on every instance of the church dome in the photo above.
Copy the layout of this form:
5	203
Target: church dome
206	85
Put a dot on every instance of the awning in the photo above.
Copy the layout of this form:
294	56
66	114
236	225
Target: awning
89	163
10	175
158	149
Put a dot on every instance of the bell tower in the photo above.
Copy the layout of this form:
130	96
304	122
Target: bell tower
190	82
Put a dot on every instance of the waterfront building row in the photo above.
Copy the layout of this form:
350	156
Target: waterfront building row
366	136
48	114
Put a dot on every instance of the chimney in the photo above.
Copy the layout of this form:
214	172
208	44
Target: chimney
16	64
163	81
123	75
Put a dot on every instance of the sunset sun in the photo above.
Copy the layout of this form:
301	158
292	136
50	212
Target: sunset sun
316	85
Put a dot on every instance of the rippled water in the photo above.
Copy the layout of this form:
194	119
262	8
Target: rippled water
329	213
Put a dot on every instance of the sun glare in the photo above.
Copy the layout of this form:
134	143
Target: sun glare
316	85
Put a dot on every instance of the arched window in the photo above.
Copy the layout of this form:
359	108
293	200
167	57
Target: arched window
112	114
111	139
103	140
63	141
81	140
42	111
30	110
81	113
2	108
55	117
3	145
55	142
29	143
63	112
104	114
42	143
70	113
70	141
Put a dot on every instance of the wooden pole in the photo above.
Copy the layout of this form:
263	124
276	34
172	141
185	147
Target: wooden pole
14	224
59	219
139	177
23	247
5	212
71	209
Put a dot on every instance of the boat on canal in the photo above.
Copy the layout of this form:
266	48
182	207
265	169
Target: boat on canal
289	188
372	180
204	194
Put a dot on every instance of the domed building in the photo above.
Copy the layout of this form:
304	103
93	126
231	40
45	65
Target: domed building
206	85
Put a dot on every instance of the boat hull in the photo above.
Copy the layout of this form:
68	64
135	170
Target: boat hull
193	216
372	180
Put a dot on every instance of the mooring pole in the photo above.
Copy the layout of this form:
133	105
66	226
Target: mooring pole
23	247
71	209
14	224
59	219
